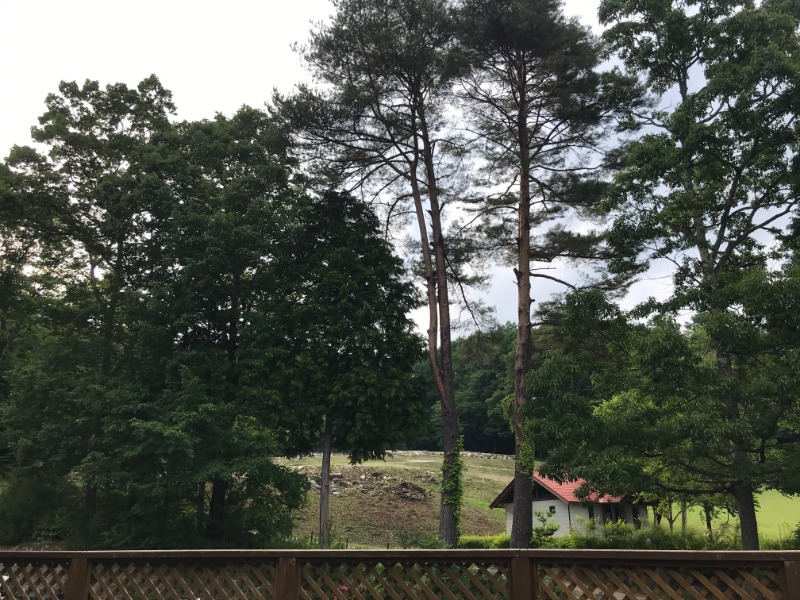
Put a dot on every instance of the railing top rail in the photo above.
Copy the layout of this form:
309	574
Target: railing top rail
604	556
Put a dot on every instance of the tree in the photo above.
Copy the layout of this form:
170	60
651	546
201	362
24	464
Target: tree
353	345
94	197
613	377
711	184
538	112
382	121
223	251
484	367
187	232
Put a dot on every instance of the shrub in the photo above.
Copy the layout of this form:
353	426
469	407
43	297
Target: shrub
37	508
502	540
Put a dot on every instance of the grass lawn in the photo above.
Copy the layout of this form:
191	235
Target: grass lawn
778	516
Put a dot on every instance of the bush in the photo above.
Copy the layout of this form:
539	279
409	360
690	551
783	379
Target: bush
502	540
37	509
624	536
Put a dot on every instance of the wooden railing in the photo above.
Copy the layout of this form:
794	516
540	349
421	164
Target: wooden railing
400	575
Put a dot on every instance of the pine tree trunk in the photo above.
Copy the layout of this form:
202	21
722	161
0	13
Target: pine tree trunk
325	486
522	524
522	518
435	265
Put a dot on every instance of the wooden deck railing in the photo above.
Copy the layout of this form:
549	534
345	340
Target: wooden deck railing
400	575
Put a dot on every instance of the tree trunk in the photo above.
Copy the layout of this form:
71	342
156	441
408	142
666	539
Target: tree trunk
215	528
746	507
200	506
325	486
522	524
683	517
522	518
707	512
742	491
671	518
439	326
89	506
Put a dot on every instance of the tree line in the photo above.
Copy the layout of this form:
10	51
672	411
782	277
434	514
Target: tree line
192	272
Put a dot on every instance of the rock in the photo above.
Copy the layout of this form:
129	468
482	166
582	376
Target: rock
409	491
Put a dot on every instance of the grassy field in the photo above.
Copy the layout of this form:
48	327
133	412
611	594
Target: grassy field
395	503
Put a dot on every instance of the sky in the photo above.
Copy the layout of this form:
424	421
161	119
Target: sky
214	57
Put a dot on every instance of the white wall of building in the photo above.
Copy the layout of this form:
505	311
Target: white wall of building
573	517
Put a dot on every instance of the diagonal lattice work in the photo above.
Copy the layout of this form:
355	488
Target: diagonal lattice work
362	580
182	582
593	582
42	580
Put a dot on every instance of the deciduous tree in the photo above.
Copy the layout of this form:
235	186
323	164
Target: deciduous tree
713	182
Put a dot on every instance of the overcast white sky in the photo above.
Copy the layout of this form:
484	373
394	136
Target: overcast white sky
213	56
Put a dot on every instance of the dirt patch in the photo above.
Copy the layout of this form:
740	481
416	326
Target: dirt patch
355	481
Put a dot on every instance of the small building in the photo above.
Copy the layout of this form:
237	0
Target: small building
568	511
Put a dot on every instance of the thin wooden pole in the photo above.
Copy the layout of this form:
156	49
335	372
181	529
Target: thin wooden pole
78	576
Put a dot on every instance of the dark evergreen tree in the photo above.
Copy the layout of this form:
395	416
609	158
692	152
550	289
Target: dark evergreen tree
349	374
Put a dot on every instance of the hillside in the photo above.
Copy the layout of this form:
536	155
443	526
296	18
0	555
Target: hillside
395	503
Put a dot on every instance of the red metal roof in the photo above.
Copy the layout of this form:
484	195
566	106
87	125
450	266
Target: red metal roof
566	490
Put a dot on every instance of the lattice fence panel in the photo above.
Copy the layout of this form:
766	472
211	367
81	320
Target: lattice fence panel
25	580
137	581
467	580
593	582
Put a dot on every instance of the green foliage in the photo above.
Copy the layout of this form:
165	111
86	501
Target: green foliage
710	186
622	536
198	290
37	508
502	540
483	363
544	531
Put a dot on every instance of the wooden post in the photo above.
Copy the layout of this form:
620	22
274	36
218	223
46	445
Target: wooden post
791	572
77	587
287	579
522	579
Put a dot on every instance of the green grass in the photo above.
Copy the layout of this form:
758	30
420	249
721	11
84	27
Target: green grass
778	516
